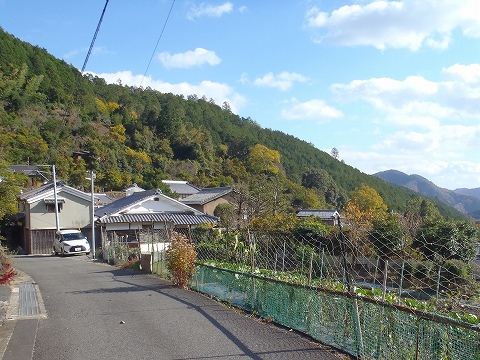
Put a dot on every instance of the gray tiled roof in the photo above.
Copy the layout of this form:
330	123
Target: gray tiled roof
322	214
206	195
30	170
112	213
122	203
181	187
48	188
39	190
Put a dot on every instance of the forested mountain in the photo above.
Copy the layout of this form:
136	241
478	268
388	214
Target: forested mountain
464	203
51	114
470	192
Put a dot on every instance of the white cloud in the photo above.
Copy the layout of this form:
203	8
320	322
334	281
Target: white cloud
190	58
467	73
424	127
396	24
282	81
445	155
311	110
205	9
83	51
416	101
217	91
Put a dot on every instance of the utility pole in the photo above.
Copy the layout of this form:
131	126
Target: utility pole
55	199
92	211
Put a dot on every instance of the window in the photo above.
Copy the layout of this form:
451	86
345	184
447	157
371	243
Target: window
51	207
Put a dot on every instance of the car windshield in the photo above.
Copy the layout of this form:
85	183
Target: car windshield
73	236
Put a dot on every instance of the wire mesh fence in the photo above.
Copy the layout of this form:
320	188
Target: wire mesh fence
360	326
336	262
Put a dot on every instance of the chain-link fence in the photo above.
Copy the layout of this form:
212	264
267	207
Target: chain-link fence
345	292
336	262
332	261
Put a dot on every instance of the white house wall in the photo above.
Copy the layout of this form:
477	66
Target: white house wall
75	213
133	226
123	226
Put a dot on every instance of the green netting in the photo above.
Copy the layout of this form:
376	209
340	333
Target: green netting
362	328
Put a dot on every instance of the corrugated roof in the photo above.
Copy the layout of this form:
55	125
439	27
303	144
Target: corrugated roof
206	195
177	219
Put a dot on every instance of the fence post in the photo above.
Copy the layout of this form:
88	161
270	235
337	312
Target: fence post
252	256
303	254
385	275
438	283
276	259
375	273
310	269
358	328
401	283
321	263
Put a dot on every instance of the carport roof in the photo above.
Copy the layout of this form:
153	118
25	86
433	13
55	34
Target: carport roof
177	219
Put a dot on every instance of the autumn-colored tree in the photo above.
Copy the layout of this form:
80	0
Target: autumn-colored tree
118	133
275	223
261	159
362	208
181	257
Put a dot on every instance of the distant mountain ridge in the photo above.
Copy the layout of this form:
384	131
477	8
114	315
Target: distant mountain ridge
464	200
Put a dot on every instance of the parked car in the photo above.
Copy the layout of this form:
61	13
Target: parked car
68	242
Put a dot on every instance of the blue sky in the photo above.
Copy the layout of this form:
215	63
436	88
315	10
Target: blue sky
390	84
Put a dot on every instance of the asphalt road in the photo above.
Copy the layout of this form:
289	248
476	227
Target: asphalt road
96	311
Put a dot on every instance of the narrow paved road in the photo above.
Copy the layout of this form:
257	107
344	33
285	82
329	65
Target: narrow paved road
96	311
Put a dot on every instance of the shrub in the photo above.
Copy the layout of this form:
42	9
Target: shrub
181	257
6	271
455	272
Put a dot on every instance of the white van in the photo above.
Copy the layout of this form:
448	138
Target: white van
68	242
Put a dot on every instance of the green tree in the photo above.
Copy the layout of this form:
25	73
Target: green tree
10	186
227	214
321	180
388	238
447	240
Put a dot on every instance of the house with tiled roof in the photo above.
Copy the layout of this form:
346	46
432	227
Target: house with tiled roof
33	172
145	211
206	200
181	188
37	216
329	217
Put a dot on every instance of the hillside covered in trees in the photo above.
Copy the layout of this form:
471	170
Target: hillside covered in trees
52	114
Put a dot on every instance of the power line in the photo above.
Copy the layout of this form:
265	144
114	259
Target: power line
155	49
94	37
